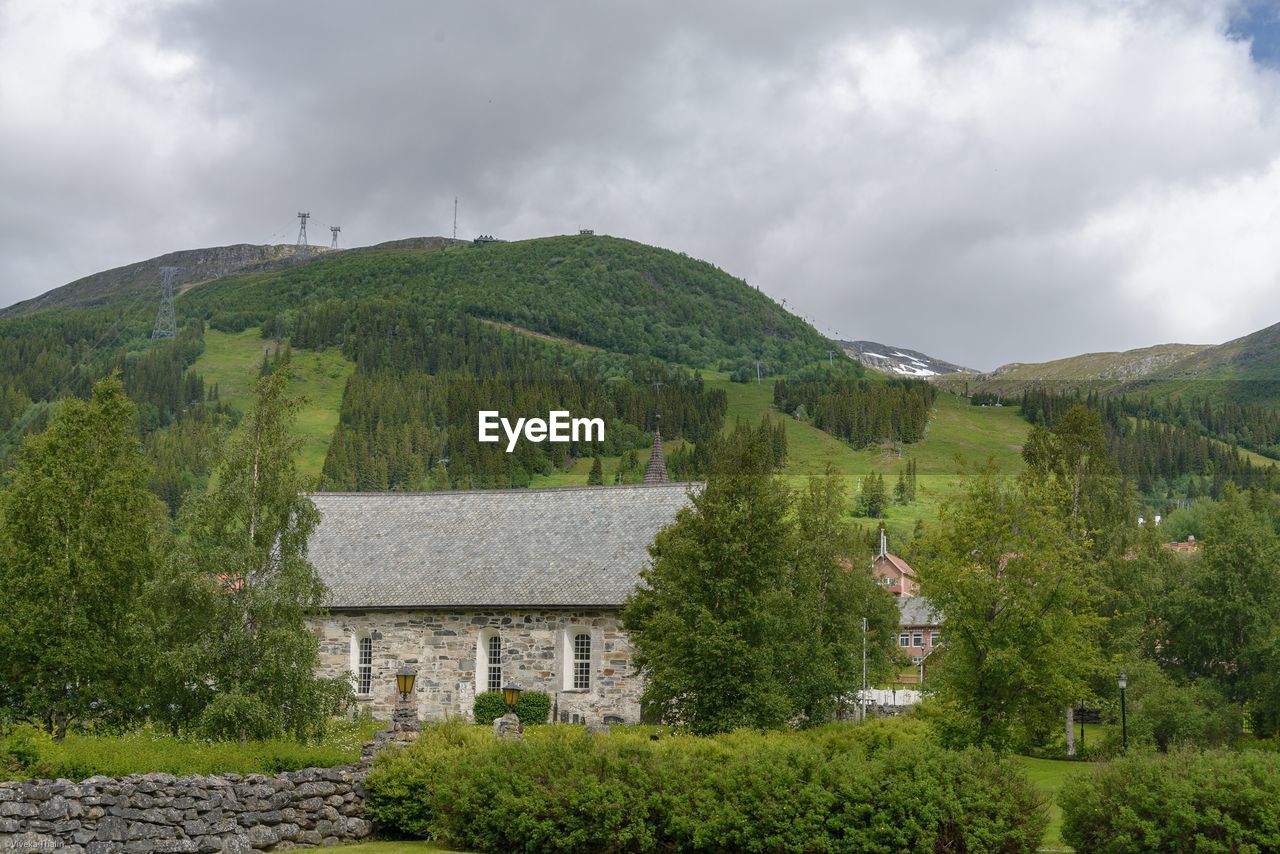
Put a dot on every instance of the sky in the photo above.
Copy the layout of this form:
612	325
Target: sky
985	181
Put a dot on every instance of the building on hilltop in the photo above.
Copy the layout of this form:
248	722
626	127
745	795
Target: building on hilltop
893	572
478	589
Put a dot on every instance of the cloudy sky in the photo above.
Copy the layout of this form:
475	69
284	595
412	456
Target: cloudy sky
986	181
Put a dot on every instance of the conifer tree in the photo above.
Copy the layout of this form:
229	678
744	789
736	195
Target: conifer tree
596	476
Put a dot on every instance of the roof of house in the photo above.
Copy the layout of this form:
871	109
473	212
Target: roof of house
897	563
917	611
567	547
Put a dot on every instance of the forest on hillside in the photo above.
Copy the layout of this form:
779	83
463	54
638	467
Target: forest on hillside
1163	460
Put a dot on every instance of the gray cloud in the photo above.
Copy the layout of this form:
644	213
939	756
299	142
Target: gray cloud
1003	181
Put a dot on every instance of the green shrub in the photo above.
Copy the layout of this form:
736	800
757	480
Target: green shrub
489	707
146	750
1202	802
565	789
533	707
238	716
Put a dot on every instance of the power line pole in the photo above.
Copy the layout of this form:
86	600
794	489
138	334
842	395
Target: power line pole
334	229
864	669
302	230
455	217
166	322
758	381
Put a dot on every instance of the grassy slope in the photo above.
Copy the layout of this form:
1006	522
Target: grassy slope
959	435
232	362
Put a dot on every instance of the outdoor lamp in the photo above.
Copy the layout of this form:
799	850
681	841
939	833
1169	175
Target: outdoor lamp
1122	681
404	681
510	694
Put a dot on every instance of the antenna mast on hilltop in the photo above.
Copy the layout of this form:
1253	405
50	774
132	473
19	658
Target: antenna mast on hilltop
302	231
334	229
455	217
166	323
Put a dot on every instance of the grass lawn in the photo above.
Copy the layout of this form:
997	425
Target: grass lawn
1048	775
232	360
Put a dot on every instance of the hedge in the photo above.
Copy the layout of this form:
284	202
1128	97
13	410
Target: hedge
565	789
1185	801
532	707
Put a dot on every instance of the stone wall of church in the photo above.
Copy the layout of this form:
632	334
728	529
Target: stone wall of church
537	653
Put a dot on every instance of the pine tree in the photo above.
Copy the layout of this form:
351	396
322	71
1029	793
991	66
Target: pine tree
900	488
596	477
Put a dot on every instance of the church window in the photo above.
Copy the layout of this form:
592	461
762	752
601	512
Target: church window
582	662
364	665
493	649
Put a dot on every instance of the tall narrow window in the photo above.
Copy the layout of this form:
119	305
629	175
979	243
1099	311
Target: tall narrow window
495	664
364	666
582	662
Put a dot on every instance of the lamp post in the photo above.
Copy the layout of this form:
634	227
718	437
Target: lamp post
509	726
405	716
1123	682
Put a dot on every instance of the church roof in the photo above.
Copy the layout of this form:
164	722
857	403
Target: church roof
568	547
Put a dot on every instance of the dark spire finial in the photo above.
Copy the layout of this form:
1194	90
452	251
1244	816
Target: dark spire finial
656	471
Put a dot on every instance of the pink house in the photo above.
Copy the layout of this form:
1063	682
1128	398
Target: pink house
893	572
919	632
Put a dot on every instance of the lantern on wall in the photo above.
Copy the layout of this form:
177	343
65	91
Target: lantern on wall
404	681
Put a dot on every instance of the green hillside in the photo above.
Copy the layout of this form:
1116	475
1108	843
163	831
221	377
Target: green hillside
606	292
231	361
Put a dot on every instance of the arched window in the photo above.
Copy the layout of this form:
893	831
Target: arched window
364	665
582	662
493	652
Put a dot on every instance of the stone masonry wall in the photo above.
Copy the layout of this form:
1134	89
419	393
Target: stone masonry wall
162	813
442	647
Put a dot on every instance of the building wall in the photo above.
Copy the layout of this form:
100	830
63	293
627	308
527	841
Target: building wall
443	648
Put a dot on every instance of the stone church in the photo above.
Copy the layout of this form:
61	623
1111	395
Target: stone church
478	589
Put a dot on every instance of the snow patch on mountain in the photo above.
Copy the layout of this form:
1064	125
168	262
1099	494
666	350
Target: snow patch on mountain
902	361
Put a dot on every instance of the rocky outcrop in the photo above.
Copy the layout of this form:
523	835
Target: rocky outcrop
159	812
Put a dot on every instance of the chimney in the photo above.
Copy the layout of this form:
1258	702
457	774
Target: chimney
884	543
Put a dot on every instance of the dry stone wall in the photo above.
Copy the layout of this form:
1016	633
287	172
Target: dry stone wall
162	813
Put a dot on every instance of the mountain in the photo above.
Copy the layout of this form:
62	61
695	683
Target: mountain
1101	371
195	266
1243	370
899	360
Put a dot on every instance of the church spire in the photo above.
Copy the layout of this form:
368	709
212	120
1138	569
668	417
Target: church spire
656	471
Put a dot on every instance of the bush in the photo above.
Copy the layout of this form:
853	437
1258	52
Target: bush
29	753
488	707
533	707
565	789
238	716
1203	802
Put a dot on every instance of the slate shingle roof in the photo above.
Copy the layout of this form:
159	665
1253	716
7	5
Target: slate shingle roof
917	611
570	547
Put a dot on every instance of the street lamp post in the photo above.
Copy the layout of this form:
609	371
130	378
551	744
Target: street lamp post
1123	682
509	726
404	718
